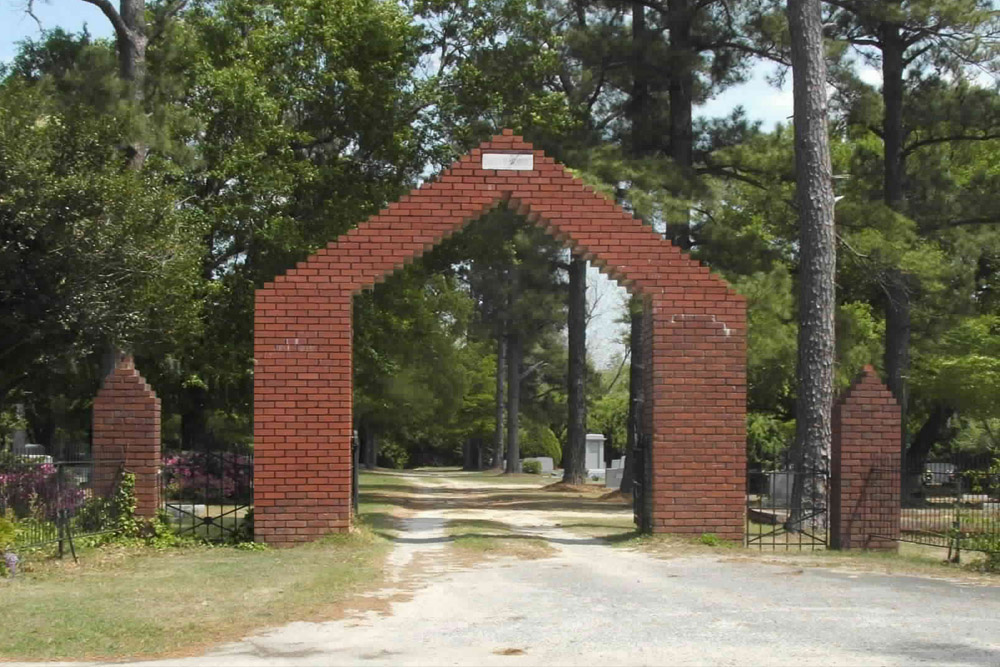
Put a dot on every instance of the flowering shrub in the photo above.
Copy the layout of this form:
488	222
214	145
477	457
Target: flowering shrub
207	477
31	489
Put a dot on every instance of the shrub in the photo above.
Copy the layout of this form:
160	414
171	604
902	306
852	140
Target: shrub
537	440
990	546
710	539
8	531
205	477
532	467
30	489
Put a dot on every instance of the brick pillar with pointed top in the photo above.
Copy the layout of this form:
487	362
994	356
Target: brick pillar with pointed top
865	493
126	434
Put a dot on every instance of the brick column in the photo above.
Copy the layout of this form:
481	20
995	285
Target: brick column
126	432
864	492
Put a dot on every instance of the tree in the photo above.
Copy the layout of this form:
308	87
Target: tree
900	37
574	464
817	264
89	250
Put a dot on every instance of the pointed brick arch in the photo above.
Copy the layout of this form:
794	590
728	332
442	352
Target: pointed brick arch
695	343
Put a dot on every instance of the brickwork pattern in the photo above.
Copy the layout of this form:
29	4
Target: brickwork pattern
865	494
302	346
126	431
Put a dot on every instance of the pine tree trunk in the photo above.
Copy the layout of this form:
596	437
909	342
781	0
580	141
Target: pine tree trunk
897	297
574	463
639	106
499	405
635	394
681	94
643	144
513	402
814	195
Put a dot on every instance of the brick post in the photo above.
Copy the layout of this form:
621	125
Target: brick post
126	432
865	493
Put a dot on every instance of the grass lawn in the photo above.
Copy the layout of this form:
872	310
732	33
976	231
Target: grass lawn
130	602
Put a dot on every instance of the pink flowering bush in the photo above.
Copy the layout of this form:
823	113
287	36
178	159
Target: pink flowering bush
31	489
207	477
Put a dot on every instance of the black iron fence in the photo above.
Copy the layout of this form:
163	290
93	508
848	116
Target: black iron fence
55	502
208	494
954	503
787	510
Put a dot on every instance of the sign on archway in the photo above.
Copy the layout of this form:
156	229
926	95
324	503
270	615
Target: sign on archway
695	345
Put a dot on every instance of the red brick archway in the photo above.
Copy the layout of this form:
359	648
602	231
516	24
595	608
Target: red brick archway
696	345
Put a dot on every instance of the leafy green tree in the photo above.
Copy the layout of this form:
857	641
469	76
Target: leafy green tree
91	251
913	44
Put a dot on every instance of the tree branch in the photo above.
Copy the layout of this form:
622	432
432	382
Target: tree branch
30	11
946	139
172	10
116	19
962	222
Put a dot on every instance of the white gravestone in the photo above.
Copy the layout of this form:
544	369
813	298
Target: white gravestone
546	461
594	458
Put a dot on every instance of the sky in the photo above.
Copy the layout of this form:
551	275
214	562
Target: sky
760	99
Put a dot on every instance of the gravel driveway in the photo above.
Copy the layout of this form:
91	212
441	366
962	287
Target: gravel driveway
595	604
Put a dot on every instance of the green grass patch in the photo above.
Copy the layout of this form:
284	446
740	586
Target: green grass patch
134	601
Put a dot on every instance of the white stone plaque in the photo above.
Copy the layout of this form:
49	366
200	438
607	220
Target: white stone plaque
509	161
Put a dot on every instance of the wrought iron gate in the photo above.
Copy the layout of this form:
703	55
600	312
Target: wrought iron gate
208	494
788	510
641	472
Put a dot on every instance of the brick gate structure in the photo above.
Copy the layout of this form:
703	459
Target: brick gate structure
865	464
126	435
695	342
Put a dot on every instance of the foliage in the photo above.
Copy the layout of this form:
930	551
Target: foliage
532	467
768	440
125	523
712	540
88	252
33	490
964	367
8	530
607	412
539	440
208	477
392	454
274	127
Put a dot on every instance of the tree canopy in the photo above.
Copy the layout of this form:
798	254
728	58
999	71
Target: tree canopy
269	128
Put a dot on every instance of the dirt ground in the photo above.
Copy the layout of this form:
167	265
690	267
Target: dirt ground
592	595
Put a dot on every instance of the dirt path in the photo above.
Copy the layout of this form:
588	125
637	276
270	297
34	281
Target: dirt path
593	603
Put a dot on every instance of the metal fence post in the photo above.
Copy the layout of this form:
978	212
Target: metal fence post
60	513
355	450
